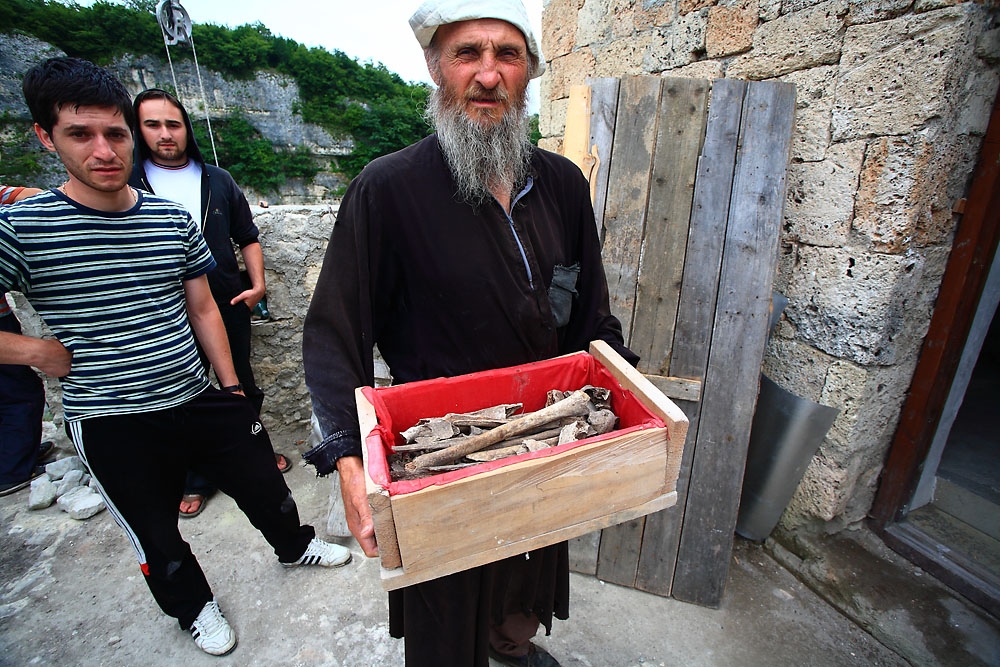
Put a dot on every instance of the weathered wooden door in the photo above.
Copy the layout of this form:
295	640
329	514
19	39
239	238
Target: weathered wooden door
688	177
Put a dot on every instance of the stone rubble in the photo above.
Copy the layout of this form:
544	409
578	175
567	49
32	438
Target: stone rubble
68	483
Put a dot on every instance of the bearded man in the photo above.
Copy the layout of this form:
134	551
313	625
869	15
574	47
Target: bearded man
469	250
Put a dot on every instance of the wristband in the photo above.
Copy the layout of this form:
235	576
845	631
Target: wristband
232	389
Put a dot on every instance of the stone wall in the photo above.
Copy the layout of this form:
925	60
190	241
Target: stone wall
294	240
893	97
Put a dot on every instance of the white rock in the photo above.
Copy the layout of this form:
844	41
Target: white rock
42	494
70	481
57	469
81	503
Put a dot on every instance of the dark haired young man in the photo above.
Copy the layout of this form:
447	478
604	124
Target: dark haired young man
169	163
119	278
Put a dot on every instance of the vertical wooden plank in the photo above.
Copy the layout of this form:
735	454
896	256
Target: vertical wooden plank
576	137
583	551
628	191
738	339
709	216
618	556
603	114
679	136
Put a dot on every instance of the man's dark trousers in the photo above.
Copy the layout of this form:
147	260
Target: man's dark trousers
22	404
140	461
236	320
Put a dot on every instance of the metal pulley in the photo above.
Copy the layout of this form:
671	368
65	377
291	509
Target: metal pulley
174	21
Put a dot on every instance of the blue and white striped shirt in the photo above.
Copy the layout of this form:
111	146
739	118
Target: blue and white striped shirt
110	287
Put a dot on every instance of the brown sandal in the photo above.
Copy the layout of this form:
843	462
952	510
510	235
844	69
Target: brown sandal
284	465
191	498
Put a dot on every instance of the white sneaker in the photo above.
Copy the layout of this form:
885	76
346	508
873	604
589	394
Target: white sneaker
323	554
212	632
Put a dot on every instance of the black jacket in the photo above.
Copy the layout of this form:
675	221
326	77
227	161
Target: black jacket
444	288
225	216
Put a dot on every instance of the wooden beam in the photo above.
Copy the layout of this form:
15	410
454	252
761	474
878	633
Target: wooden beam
628	192
576	138
603	115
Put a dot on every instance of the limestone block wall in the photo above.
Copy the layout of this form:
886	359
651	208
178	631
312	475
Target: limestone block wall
893	97
294	240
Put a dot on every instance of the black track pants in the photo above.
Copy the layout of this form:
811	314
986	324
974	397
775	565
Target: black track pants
140	461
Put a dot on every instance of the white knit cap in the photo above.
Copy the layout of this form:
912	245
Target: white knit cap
435	13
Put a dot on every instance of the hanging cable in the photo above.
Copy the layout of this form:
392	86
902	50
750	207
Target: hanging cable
204	102
175	25
173	76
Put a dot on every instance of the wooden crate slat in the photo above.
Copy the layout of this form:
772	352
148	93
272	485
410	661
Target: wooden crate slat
531	502
628	189
729	392
679	137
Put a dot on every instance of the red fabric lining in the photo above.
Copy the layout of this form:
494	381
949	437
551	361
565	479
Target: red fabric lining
401	406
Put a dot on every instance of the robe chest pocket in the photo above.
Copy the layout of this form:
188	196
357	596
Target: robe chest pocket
562	290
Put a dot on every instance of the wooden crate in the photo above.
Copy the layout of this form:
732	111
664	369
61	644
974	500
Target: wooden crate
453	521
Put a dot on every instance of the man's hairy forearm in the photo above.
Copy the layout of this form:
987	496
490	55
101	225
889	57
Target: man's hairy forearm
46	354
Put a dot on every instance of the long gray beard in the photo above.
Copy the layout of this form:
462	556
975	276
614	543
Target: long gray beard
482	159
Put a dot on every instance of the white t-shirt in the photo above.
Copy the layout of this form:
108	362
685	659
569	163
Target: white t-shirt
178	184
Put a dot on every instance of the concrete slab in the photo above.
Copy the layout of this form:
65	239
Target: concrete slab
71	594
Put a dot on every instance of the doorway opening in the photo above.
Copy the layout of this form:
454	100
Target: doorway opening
938	499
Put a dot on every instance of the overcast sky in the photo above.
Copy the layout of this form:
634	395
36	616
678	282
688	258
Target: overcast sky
368	30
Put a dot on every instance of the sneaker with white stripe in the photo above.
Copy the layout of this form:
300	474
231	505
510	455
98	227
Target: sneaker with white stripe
212	632
323	554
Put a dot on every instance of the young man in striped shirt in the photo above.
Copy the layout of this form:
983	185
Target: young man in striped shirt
119	277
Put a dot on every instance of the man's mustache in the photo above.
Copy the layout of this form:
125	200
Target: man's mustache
478	92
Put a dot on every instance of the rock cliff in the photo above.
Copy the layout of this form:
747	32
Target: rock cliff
269	101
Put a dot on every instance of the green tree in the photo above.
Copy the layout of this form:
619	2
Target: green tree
533	134
250	158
